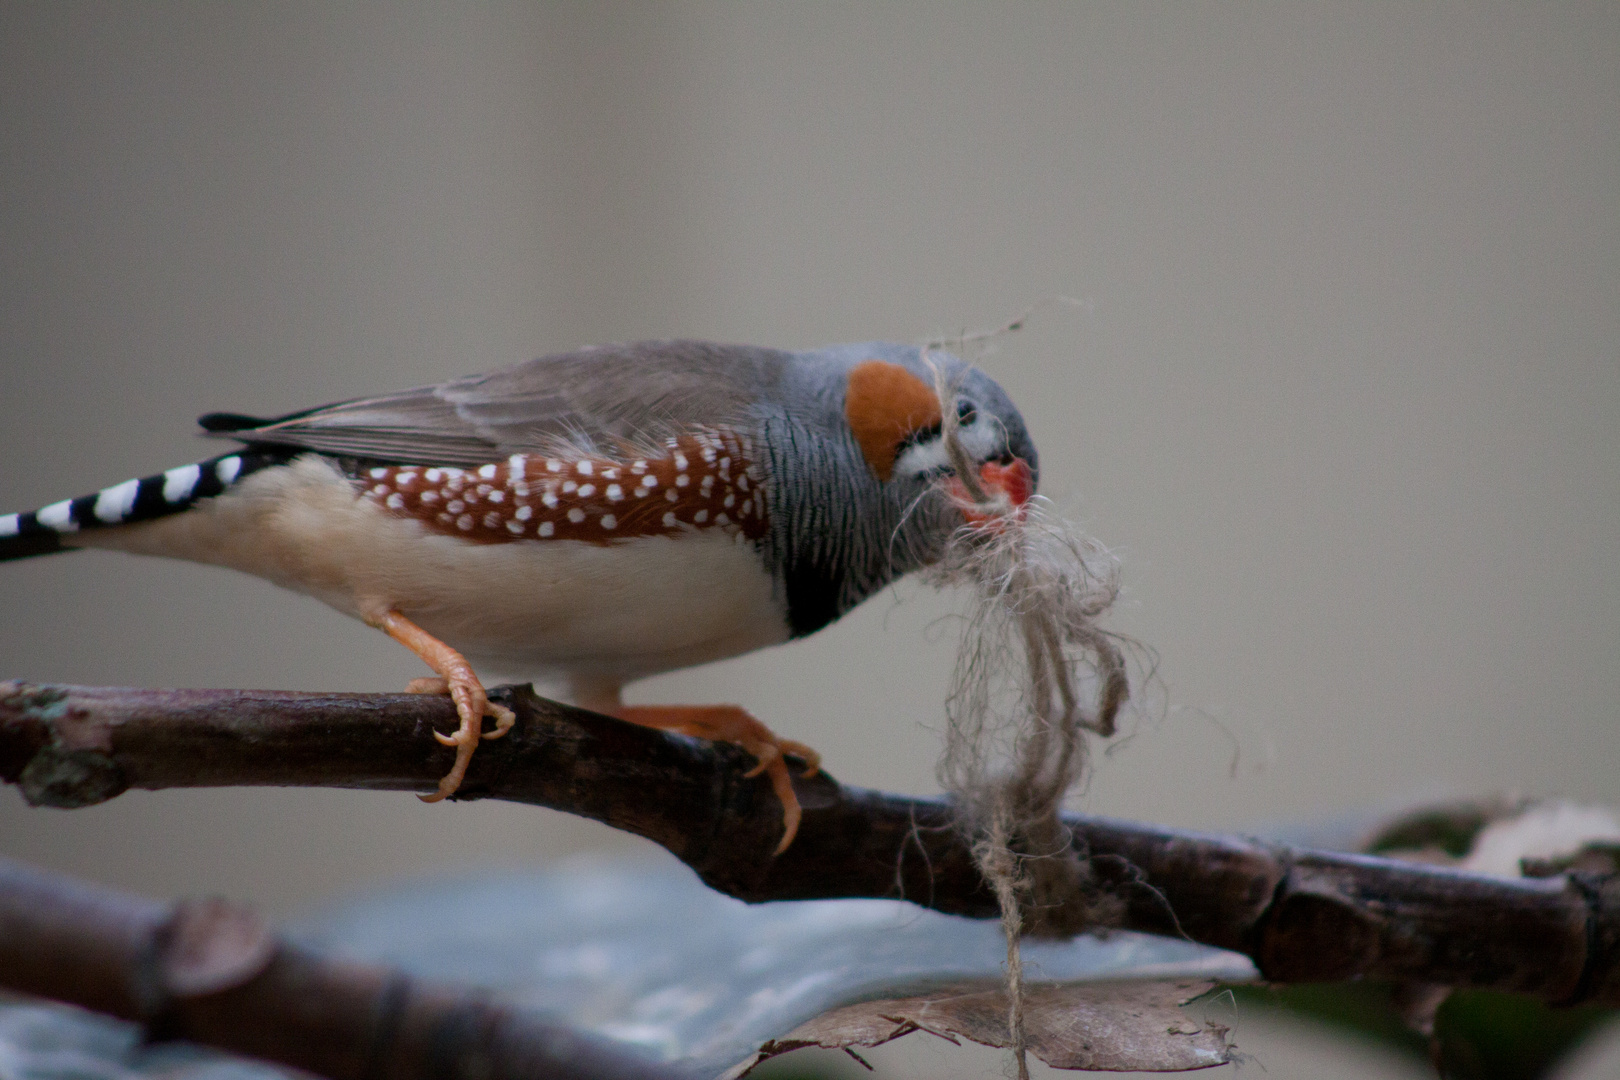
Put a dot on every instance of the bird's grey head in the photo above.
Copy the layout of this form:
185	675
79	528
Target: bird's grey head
888	498
888	396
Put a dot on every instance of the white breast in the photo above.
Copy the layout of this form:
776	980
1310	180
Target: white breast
530	607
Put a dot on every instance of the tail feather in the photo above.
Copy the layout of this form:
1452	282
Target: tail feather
50	528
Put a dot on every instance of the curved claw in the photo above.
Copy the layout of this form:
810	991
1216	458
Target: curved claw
730	723
791	813
765	754
504	719
812	760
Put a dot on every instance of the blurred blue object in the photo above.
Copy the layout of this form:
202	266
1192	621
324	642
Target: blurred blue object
637	951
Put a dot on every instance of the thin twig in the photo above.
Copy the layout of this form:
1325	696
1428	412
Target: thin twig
1301	915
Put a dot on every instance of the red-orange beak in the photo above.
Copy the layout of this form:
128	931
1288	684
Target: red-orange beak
1010	486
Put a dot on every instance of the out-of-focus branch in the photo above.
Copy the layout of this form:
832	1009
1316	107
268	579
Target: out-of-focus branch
1301	915
212	973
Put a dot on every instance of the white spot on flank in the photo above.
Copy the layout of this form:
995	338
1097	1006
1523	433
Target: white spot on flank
516	464
227	468
547	528
742	481
682	480
404	479
115	503
576	515
670	520
484	489
497	496
524	513
58	516
584	468
721	519
728	500
649	481
429	496
396	501
680	461
380	489
550	499
610	474
178	484
701	516
514	527
491	520
638	467
706	484
614	492
464	522
569	487
709	454
455	506
433	476
487	472
553	465
379	474
521	490
609	521
445	519
587	490
669	493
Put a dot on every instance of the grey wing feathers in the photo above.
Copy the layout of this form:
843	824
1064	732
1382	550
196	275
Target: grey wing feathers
607	400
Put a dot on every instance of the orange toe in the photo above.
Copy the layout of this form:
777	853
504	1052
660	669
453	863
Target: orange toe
733	724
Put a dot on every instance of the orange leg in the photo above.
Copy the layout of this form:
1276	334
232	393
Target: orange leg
730	723
456	678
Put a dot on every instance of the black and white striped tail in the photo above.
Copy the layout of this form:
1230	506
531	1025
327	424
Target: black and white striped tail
43	531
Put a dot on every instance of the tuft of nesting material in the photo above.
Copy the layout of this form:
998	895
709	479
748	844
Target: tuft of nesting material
1035	673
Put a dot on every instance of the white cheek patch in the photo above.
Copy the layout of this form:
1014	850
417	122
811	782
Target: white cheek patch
921	459
928	458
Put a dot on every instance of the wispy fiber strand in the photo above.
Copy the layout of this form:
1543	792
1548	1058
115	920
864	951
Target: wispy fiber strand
1034	674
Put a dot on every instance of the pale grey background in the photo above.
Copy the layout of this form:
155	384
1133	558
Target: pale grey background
1344	391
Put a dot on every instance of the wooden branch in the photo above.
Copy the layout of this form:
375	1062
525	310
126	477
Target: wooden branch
212	973
1301	915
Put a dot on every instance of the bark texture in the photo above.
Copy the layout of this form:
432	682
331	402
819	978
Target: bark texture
1301	915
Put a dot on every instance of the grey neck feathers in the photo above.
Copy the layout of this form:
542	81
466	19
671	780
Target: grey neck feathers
836	535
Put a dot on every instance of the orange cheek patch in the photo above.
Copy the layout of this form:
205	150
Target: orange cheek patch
885	406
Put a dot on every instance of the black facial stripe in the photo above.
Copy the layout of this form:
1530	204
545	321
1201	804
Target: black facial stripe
920	435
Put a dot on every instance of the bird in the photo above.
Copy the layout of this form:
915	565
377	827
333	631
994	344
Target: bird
591	517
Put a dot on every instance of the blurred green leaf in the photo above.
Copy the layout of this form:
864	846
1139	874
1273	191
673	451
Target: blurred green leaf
1366	1009
1491	1036
1479	1034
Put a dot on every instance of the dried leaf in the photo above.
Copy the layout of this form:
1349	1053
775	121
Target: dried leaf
1100	1026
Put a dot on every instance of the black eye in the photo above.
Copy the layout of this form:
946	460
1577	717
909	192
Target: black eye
965	412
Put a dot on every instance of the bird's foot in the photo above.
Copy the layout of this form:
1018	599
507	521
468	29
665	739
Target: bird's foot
472	705
733	724
456	678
